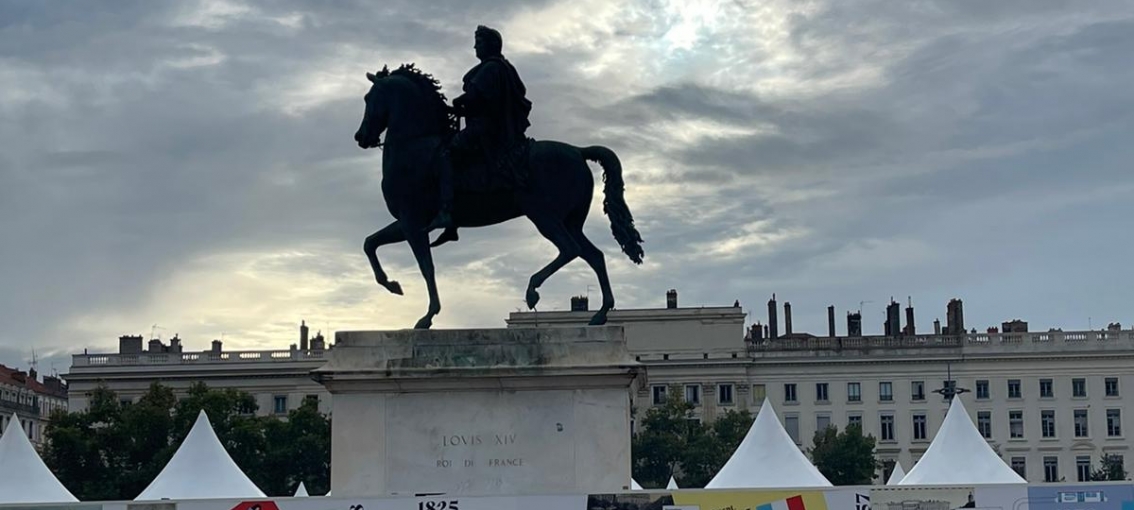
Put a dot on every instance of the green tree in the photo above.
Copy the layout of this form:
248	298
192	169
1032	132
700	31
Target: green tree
845	458
672	441
113	451
1110	468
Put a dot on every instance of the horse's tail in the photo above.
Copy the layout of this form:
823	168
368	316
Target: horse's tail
614	205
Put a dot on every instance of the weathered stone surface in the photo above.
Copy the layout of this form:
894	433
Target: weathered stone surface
480	412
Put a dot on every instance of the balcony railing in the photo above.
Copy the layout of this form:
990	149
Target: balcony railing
1041	340
194	358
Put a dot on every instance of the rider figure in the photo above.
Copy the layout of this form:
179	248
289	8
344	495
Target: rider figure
496	116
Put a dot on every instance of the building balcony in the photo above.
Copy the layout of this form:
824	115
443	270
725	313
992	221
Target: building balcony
194	358
1038	343
8	407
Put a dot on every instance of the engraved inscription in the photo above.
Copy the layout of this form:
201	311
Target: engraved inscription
460	442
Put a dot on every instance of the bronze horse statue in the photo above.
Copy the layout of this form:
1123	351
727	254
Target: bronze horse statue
409	107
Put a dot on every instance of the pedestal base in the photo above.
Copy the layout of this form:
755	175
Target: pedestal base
480	412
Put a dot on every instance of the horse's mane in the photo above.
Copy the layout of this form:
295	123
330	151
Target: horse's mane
429	85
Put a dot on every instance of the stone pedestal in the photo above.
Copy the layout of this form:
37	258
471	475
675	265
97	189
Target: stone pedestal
480	411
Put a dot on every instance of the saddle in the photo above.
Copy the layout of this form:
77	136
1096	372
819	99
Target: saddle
478	171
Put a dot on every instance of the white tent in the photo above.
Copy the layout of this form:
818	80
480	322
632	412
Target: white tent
24	478
897	474
767	458
959	455
635	486
672	484
200	469
301	492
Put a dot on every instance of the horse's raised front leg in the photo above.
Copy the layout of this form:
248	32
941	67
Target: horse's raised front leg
553	229
418	240
392	233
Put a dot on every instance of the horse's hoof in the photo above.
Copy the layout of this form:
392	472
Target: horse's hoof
423	323
532	298
599	319
394	287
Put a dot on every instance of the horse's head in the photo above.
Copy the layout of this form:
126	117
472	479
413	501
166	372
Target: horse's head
376	115
405	99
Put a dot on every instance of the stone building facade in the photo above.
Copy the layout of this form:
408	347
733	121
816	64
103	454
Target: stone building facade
23	395
1051	403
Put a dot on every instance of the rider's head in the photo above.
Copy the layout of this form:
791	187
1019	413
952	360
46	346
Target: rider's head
488	42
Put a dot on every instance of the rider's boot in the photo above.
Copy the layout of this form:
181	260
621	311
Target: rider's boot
444	217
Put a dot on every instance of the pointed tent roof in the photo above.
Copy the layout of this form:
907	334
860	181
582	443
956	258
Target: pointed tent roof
24	478
200	469
301	492
959	455
635	486
767	458
672	484
897	474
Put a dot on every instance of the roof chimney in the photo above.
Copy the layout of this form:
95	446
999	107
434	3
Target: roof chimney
175	343
217	346
303	335
130	344
893	325
32	374
936	326
854	324
580	303
787	318
911	330
773	321
831	321
671	298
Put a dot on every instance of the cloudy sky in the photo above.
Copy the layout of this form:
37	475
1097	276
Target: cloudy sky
191	165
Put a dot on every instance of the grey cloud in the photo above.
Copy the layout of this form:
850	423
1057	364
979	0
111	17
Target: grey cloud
118	168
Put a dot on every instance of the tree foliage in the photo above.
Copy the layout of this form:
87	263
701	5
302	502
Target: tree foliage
845	458
1111	467
672	442
112	451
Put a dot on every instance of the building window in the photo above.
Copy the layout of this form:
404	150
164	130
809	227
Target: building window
917	390
1051	469
279	405
789	393
822	421
1082	428
1079	387
1083	467
1014	388
791	425
982	390
758	392
886	391
693	394
919	426
724	394
821	392
1114	423
1112	386
1020	466
1016	424
887	422
984	423
1047	423
854	392
659	395
888	469
855	420
1046	389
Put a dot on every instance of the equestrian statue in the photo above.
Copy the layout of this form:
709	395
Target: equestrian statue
437	176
